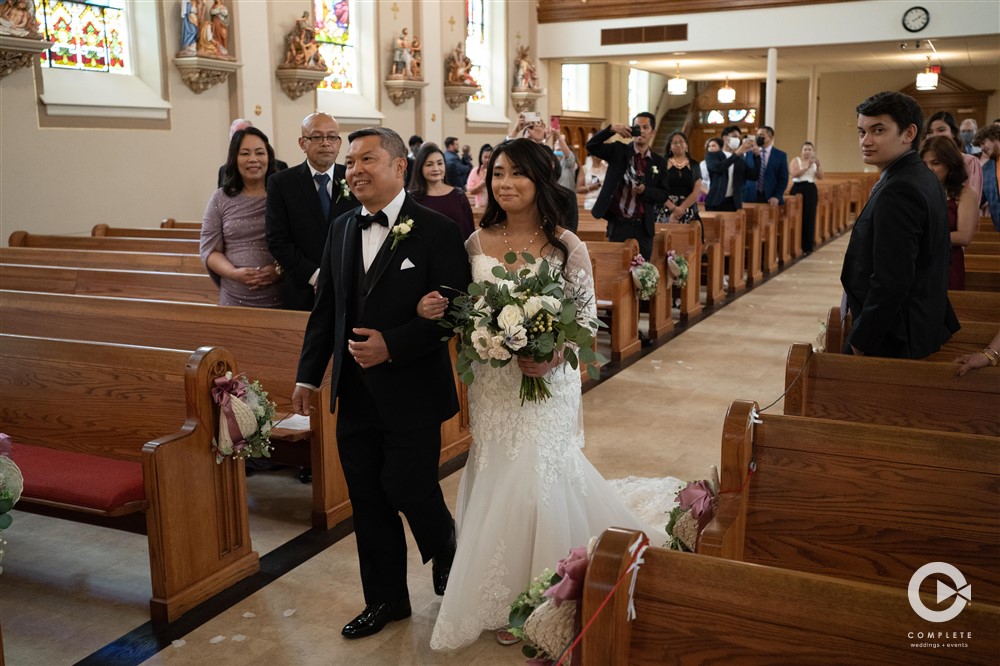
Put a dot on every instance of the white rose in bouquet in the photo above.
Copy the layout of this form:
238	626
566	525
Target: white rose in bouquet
532	306
497	350
511	315
481	342
515	337
551	303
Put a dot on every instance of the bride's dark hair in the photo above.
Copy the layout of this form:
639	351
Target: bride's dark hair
536	163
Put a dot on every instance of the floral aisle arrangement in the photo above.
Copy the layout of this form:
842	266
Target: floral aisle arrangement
645	276
546	615
11	486
529	313
677	268
245	418
696	505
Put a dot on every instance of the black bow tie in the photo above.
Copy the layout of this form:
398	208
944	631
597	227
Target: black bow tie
365	221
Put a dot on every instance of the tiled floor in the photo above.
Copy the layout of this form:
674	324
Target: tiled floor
69	590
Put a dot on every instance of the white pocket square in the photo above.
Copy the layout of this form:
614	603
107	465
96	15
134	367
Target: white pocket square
406	264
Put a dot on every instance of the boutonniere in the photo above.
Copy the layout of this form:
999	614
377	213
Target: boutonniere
345	191
400	231
656	170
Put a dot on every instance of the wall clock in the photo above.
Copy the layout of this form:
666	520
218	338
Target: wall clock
916	19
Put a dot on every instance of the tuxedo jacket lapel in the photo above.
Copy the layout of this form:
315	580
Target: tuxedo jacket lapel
350	252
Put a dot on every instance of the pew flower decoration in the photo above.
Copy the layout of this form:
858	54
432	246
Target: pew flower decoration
401	230
545	615
645	276
245	418
677	268
345	190
11	486
529	313
696	505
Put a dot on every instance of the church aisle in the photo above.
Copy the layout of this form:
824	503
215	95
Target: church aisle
661	416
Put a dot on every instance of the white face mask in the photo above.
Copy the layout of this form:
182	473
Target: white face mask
734	142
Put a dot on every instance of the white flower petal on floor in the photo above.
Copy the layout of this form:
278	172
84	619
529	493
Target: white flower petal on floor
217	639
290	612
179	643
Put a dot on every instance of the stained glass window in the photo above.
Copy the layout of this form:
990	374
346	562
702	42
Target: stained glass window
90	36
720	117
337	43
477	47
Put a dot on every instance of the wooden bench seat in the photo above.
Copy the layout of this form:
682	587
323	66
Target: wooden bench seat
695	610
108	434
616	294
169	245
266	344
158	285
886	391
685	240
982	272
171	223
139	232
865	502
728	231
790	228
983	247
83	258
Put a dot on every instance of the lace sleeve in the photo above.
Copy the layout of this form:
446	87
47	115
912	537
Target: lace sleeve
580	280
472	246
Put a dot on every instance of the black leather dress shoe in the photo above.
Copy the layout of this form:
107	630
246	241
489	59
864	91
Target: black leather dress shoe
441	566
374	618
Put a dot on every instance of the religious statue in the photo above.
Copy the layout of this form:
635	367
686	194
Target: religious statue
416	61
205	29
401	56
17	18
525	75
459	68
219	15
303	51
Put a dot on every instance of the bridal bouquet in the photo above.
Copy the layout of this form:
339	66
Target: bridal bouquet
645	276
245	416
528	313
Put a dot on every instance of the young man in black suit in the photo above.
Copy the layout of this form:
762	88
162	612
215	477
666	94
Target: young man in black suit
895	272
300	208
392	372
635	184
728	171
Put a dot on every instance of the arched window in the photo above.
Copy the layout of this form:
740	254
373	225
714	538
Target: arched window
337	43
477	47
91	36
485	45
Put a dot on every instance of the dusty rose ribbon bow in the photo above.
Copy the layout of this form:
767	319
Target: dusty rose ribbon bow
572	570
226	389
696	497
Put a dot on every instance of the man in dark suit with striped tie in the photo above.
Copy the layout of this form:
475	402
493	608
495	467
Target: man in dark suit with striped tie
302	201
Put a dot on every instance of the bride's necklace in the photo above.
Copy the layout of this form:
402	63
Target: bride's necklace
506	240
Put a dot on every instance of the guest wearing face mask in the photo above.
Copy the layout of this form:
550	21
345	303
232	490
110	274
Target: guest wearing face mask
967	132
729	171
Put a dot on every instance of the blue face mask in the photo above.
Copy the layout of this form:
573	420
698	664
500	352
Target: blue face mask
558	153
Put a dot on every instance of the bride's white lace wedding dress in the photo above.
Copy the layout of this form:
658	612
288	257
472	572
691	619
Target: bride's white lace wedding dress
528	494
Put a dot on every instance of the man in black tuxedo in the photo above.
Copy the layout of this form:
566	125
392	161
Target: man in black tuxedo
300	209
728	171
635	184
392	376
895	272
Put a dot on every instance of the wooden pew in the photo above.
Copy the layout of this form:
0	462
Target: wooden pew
184	287
265	342
790	230
976	305
171	223
696	610
983	247
982	272
765	217
172	246
972	337
988	236
728	231
105	433
685	240
82	258
661	322
616	294
986	224
917	394
135	232
856	500
592	230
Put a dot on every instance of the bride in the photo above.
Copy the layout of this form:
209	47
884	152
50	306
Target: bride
528	494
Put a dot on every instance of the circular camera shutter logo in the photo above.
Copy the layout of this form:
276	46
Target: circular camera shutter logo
961	590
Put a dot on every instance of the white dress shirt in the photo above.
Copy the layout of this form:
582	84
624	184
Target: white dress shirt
374	236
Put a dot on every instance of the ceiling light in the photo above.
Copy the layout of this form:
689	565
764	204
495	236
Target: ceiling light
726	93
927	80
677	85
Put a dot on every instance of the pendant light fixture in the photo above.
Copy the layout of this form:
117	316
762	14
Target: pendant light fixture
677	85
927	80
726	93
